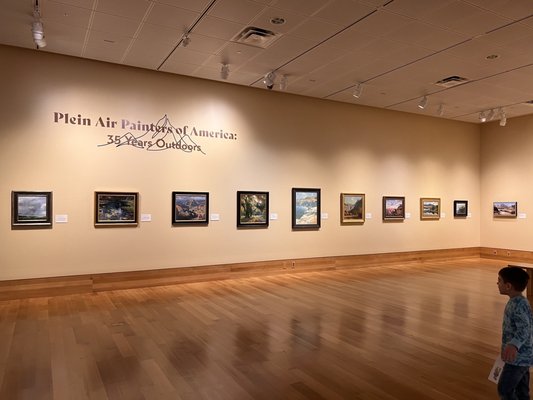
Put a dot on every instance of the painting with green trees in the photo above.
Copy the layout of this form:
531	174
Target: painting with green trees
252	209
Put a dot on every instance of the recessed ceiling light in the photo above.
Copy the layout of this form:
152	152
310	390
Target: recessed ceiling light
277	21
492	56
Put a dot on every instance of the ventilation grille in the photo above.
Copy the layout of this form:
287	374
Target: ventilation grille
451	81
256	37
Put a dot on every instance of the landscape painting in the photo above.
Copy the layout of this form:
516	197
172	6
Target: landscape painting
115	208
31	209
460	208
393	208
190	208
305	208
252	209
352	208
505	209
429	208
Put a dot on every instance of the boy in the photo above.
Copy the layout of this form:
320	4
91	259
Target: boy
517	340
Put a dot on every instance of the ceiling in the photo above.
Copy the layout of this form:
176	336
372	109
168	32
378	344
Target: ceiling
397	49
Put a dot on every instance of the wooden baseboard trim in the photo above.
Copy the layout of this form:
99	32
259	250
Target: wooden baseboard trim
56	286
497	253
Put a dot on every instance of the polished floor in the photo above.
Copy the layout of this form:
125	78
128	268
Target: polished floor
424	331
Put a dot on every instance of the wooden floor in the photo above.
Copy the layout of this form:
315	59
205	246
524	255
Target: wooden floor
411	332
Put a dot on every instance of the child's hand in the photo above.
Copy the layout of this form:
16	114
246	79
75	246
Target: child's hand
509	353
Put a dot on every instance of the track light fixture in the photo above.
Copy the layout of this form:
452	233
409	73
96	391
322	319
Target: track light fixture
37	29
482	116
423	103
185	40
490	115
224	71
284	82
269	80
358	90
503	118
440	110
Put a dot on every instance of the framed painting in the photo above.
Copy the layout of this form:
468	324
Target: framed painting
252	209
460	208
190	208
505	209
393	208
31	209
305	208
429	208
115	208
352	208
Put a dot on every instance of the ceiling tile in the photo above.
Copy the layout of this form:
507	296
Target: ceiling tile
88	4
305	7
218	28
160	34
415	8
134	9
466	19
194	5
110	23
147	54
105	46
172	17
186	56
292	20
65	14
315	30
514	9
427	36
241	11
344	12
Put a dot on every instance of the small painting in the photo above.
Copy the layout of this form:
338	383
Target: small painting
190	208
393	208
460	208
505	209
305	208
429	208
115	208
252	209
31	209
352	208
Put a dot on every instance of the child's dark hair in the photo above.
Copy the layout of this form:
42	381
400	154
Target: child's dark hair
516	276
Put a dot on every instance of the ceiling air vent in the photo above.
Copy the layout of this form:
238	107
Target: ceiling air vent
257	37
451	81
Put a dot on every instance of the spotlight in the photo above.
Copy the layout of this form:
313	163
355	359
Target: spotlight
37	29
224	71
269	80
482	116
503	119
284	82
423	103
490	115
186	40
440	110
358	90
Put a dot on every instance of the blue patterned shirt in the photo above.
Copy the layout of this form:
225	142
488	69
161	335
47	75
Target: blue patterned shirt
517	330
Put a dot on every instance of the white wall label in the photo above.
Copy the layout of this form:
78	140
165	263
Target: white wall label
443	215
469	215
522	215
61	218
324	216
407	215
146	217
368	215
215	217
273	216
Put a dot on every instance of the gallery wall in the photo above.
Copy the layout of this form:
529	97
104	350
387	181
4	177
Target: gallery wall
506	172
279	141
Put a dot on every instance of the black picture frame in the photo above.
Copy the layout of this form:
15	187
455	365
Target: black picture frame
116	208
393	208
505	209
460	208
31	209
306	208
190	208
252	209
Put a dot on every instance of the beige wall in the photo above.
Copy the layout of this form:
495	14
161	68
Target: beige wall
283	141
506	175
